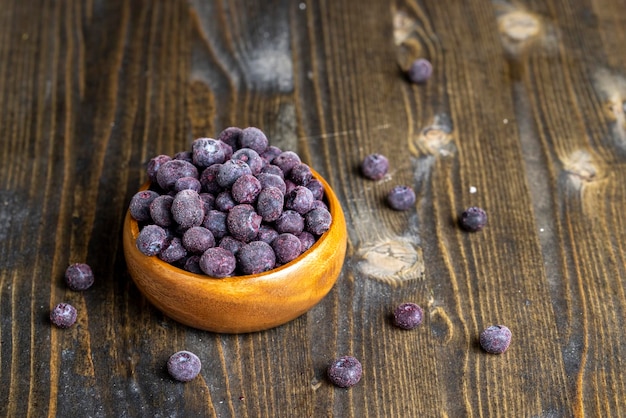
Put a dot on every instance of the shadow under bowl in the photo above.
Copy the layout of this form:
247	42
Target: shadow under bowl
240	304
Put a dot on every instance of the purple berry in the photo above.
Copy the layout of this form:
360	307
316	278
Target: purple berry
207	151
473	219
218	262
345	371
270	204
173	251
215	221
224	201
401	198
287	247
185	156
209	201
255	139
408	316
300	174
230	171
270	153
289	186
187	183
151	240
317	221
495	339
78	276
266	234
289	221
188	209
306	240
375	166
161	210
246	189
272	180
183	366
231	244
299	199
140	205
273	169
154	164
243	222
63	315
256	257
420	71
250	157
231	136
317	188
192	264
173	170
198	239
209	179
286	161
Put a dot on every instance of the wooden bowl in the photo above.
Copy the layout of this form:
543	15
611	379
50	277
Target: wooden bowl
241	303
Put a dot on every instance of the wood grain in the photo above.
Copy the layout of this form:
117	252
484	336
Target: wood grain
524	116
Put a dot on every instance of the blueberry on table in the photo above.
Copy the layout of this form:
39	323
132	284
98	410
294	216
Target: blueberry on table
184	366
375	166
345	371
473	219
495	339
401	198
420	71
79	276
63	315
408	316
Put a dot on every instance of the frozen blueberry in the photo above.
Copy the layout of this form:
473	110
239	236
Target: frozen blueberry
317	221
173	251
273	169
345	371
183	366
253	138
161	210
228	150
495	339
287	247
192	264
270	204
473	219
230	171
187	183
286	161
289	221
420	71
317	188
151	240
266	234
78	276
272	180
231	244
154	164
209	179
172	170
270	153
188	209
209	201
256	257
299	199
401	198
407	316
206	152
224	201
250	157
306	240
140	205
198	239
63	315
185	156
231	136
319	204
289	186
218	262
215	221
375	166
246	189
243	222
300	174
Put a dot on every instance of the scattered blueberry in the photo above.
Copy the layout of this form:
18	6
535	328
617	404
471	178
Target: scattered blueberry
375	166
401	198
473	219
495	339
345	371
184	366
420	71
407	316
78	276
63	315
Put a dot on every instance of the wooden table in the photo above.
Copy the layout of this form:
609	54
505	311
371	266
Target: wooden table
524	116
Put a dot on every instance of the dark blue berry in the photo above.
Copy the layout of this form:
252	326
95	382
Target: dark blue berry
173	170
184	366
188	209
317	221
218	262
473	219
230	171
345	371
151	240
140	205
256	257
243	222
161	210
375	166
401	198
420	71
207	151
255	139
408	316
63	315
287	247
495	339
78	276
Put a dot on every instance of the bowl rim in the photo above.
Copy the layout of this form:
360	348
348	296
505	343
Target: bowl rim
331	200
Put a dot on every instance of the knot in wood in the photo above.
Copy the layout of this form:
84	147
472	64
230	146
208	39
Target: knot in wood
519	26
391	261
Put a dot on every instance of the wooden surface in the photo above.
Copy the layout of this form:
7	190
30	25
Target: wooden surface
525	108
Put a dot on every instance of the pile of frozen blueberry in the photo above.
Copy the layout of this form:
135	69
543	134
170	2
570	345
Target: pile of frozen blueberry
233	205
